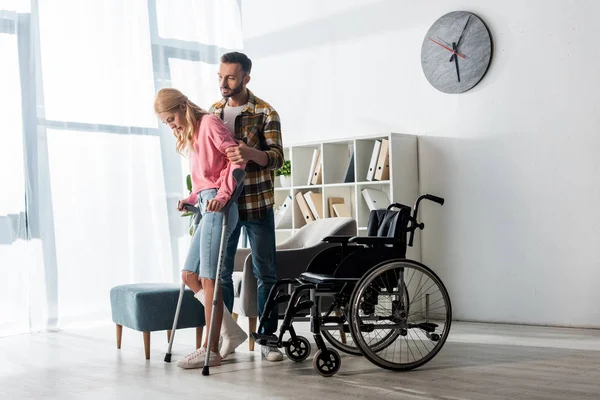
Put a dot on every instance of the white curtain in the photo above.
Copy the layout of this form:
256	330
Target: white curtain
88	177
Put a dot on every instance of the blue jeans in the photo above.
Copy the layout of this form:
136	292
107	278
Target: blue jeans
203	254
261	233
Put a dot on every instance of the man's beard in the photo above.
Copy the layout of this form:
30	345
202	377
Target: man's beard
232	92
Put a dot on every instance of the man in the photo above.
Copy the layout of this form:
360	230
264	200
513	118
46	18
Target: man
256	127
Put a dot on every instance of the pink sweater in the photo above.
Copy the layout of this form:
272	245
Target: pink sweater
209	167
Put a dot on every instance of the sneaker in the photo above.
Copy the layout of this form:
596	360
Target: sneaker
193	360
271	353
215	359
196	359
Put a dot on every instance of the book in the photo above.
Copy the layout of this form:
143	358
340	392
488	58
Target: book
374	159
316	179
315	203
350	170
283	215
331	201
376	199
313	165
382	172
341	210
304	209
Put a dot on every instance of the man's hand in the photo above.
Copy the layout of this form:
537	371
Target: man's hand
239	154
213	205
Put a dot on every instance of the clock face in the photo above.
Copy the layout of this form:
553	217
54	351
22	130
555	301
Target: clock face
456	52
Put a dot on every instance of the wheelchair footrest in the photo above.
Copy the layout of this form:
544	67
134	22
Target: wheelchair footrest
281	298
264	340
303	305
427	326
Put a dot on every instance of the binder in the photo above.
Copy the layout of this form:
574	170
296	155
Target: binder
376	199
341	210
306	214
382	172
350	170
374	158
316	179
331	201
313	165
315	203
283	215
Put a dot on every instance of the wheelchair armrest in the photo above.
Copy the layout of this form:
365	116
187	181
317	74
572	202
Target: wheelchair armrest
372	240
337	239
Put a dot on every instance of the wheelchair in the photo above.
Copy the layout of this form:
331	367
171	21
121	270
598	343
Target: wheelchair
365	298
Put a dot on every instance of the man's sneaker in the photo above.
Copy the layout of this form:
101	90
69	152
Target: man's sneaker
196	359
271	353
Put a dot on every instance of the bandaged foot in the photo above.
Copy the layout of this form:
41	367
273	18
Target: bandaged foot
231	334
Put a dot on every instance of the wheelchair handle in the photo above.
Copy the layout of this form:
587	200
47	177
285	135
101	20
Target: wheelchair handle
420	225
435	199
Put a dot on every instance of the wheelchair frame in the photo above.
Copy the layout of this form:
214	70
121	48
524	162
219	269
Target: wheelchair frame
355	275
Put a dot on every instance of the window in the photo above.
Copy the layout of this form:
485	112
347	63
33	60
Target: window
93	71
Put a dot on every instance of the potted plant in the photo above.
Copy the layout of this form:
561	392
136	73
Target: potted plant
284	173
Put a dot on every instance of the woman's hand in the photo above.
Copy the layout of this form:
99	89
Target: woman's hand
180	205
213	205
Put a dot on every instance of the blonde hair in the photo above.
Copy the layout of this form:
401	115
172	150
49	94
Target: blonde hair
170	99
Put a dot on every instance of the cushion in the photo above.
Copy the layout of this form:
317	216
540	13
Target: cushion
149	307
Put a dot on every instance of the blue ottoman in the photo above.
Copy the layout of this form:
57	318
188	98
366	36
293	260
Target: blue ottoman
149	307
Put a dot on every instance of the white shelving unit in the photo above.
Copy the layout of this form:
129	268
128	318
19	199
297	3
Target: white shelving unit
401	187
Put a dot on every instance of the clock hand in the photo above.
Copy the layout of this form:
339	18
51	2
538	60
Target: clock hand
461	36
447	48
455	61
446	43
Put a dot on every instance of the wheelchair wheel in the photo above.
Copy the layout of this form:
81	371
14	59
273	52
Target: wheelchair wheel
419	316
298	352
327	362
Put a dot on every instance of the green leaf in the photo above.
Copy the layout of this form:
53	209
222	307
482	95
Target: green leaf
188	181
285	170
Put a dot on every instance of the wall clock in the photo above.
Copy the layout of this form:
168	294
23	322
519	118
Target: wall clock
456	52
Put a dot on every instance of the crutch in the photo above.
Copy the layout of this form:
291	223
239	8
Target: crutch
197	217
238	175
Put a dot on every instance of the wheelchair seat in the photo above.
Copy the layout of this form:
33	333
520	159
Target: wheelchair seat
323	279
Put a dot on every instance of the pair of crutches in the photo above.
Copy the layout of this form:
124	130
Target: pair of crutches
238	175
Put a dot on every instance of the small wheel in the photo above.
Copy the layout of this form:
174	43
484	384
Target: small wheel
300	351
327	362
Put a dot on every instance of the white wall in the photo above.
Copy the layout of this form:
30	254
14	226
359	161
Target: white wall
515	158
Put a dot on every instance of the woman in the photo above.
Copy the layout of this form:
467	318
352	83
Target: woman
203	138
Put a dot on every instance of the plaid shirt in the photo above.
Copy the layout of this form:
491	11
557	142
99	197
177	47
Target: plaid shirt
259	127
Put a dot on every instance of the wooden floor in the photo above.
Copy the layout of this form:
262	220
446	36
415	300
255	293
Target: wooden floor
479	361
